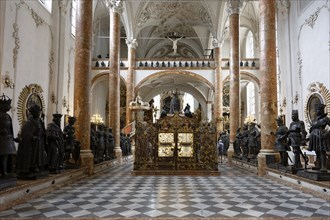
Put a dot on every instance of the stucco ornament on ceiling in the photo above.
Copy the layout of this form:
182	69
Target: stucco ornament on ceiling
173	16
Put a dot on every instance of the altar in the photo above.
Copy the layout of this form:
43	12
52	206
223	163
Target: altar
175	145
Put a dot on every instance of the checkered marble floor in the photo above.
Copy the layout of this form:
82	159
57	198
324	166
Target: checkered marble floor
117	194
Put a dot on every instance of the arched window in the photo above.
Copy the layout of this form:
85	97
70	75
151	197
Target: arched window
250	92
250	45
73	17
47	4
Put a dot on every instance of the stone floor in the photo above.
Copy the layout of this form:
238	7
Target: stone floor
115	194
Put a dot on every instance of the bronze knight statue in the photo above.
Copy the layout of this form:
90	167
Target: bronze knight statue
297	136
7	146
281	143
319	139
31	159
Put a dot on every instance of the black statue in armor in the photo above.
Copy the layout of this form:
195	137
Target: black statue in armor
100	148
55	146
31	158
297	136
72	145
238	142
319	139
7	146
93	139
254	140
245	141
281	142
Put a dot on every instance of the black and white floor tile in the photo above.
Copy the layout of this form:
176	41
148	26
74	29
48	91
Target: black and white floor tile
116	193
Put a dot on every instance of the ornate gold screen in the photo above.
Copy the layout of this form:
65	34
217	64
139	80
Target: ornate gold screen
166	144
185	144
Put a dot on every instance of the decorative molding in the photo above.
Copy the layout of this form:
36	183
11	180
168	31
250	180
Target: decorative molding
7	81
38	20
283	7
17	44
63	6
308	22
33	92
115	5
215	43
50	65
234	6
143	17
300	64
132	43
319	90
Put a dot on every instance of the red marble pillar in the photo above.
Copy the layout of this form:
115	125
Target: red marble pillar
268	83
235	93
82	71
132	44
114	76
218	86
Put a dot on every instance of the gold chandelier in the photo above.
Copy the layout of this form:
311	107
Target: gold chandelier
97	119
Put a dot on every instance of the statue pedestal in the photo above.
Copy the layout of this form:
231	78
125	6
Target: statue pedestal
119	155
230	153
6	182
314	175
266	157
87	160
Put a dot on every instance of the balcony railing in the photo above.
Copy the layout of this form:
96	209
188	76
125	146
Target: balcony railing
147	64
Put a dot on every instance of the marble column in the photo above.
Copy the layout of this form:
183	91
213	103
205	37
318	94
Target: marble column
268	83
130	84
114	73
218	87
82	87
234	69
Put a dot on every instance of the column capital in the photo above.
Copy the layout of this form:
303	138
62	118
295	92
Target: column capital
114	5
283	7
63	6
132	43
215	42
234	6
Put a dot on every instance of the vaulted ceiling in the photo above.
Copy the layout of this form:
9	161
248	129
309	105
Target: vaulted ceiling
197	21
150	21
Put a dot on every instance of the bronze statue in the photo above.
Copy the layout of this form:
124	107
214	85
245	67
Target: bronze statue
238	142
297	136
319	139
187	111
93	139
7	146
100	148
254	140
55	145
72	146
31	155
281	142
245	141
174	105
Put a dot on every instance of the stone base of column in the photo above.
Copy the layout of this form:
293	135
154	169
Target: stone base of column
133	151
87	160
262	162
230	153
119	155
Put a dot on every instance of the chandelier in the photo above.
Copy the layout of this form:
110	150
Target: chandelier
97	119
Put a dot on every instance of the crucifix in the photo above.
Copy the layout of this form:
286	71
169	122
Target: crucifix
175	43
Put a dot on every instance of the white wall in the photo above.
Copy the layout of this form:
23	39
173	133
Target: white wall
304	32
30	56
